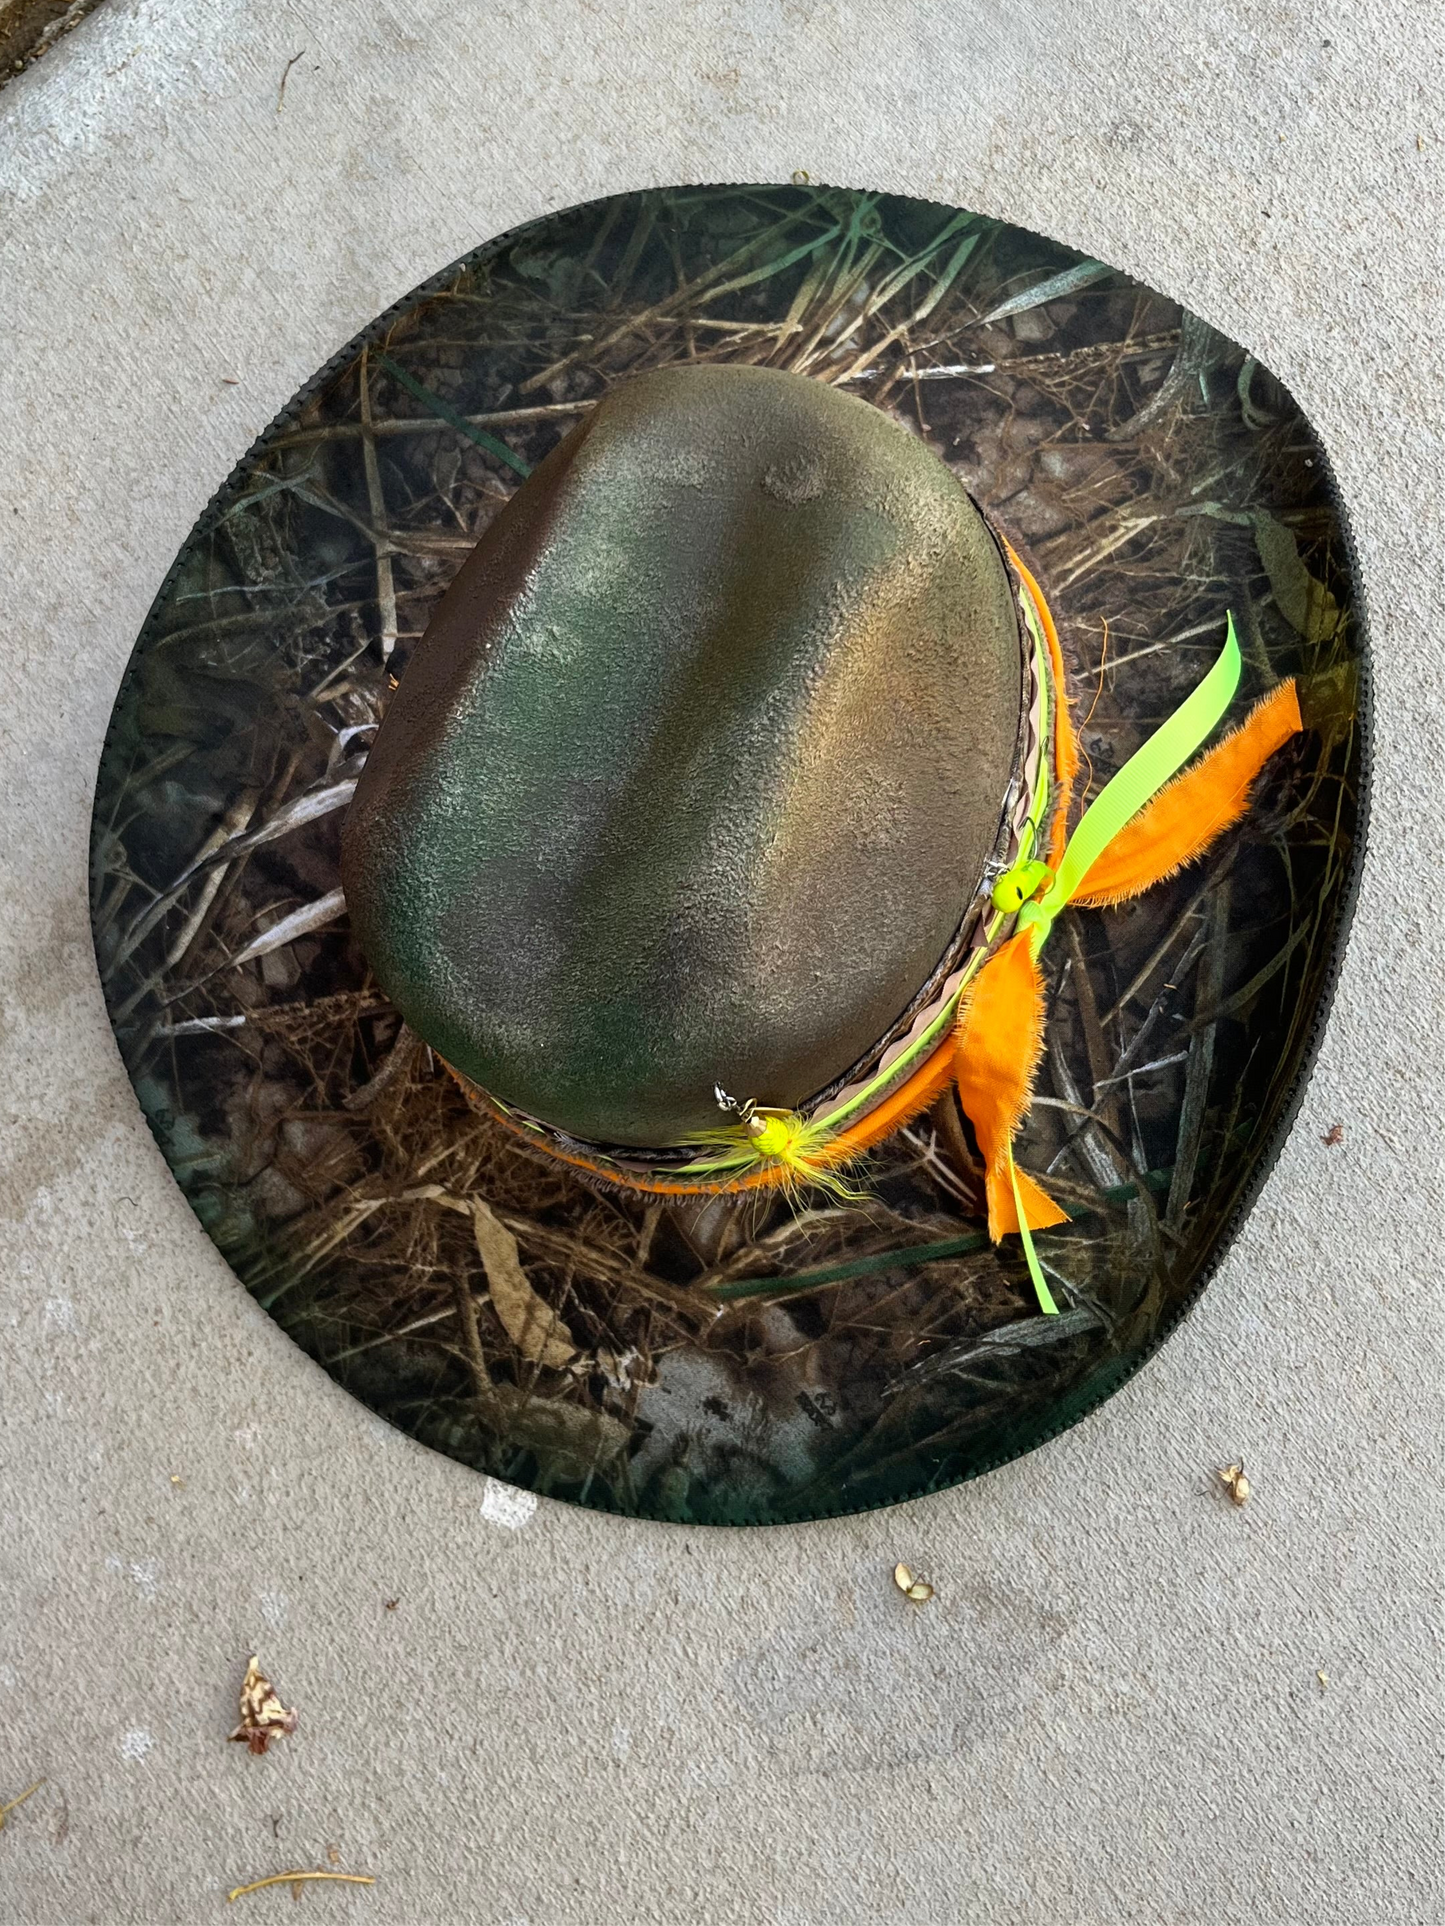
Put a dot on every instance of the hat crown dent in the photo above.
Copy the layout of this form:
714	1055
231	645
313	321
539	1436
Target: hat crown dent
699	762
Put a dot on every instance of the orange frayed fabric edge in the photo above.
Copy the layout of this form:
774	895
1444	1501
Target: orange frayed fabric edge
998	1040
1193	810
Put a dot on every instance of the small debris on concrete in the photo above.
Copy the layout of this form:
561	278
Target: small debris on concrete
263	1716
1235	1483
281	90
1324	1679
294	1879
1334	1135
19	1800
918	1589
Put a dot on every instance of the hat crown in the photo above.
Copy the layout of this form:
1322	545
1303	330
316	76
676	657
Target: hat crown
699	763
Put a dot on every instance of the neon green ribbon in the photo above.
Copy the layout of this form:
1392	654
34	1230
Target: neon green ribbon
1136	784
1112	810
1031	1256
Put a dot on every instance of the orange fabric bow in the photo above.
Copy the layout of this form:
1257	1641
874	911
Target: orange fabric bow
998	1039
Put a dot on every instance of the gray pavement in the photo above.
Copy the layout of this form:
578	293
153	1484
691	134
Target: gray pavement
1112	1710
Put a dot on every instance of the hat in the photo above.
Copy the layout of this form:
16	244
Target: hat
590	812
722	813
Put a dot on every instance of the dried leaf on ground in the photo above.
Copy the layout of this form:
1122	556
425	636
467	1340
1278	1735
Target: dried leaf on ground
263	1716
532	1325
301	922
1304	601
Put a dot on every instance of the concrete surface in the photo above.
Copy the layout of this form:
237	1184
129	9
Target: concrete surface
1111	1711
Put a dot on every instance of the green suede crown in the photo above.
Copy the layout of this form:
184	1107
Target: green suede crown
700	762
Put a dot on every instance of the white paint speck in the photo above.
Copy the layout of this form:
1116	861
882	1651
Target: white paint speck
144	1573
621	1741
273	1609
60	1315
136	1744
9	1678
246	1437
506	1506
